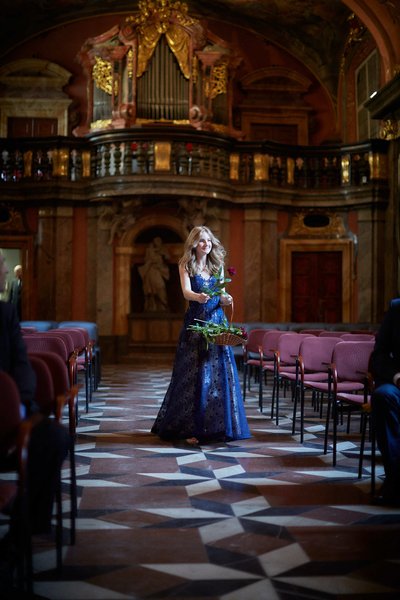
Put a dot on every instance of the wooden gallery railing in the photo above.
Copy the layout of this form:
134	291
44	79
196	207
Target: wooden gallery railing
186	152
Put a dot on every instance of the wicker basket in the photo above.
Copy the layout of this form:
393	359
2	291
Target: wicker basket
226	338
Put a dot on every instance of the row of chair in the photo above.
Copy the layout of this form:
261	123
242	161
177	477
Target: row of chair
60	357
329	367
53	396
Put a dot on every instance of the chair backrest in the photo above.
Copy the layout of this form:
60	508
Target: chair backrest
44	394
357	337
90	327
289	346
57	368
254	339
39	325
10	412
333	333
65	336
316	352
270	342
40	342
312	331
79	335
352	360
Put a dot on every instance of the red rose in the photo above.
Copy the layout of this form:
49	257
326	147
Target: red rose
232	271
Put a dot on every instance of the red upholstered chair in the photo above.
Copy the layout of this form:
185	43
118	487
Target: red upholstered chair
357	337
286	367
251	354
267	362
348	373
14	437
83	352
51	397
315	354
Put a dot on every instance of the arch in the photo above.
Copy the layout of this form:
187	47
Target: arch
124	253
383	27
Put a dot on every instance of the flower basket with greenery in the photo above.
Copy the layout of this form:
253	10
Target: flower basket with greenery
222	334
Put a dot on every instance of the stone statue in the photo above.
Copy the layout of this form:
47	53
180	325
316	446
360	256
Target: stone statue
154	274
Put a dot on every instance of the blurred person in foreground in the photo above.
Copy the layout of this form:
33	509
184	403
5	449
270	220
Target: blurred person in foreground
385	401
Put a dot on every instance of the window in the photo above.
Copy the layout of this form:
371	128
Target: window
367	82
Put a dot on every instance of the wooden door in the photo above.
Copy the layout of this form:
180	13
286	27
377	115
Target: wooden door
317	287
31	127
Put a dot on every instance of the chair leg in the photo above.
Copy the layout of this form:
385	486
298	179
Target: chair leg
244	380
260	389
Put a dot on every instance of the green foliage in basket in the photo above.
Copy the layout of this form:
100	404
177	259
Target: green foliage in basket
210	330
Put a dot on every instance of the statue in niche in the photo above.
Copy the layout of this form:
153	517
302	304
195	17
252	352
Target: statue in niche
154	274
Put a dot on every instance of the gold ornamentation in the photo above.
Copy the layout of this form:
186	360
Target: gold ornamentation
162	156
335	227
217	84
103	75
261	164
163	17
234	167
390	129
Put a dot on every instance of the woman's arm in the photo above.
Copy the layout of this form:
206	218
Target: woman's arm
187	291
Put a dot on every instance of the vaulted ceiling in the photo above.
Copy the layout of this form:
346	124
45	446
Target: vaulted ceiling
314	31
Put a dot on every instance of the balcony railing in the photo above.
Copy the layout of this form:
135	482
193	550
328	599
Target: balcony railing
185	152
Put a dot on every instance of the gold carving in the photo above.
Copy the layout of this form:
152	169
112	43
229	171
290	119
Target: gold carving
162	156
390	129
261	172
335	228
234	167
100	124
86	163
60	160
345	169
163	17
103	76
217	84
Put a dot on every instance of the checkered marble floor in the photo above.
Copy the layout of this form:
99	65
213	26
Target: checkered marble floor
264	518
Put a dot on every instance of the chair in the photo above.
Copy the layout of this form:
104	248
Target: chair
92	330
39	325
267	362
315	354
312	331
251	351
348	373
357	337
14	437
47	342
83	352
47	402
51	400
328	333
286	366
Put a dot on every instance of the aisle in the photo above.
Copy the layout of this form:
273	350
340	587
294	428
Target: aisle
265	518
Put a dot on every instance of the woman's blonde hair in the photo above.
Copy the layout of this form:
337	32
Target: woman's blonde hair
215	260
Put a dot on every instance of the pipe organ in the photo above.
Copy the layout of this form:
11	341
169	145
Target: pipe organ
159	65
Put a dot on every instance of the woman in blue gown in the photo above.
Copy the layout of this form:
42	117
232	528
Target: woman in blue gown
203	402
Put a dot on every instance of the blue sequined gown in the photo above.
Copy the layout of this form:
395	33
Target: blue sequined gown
204	398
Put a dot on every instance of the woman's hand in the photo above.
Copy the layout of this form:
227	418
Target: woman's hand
203	298
226	299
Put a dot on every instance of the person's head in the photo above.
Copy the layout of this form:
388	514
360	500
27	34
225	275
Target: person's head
3	272
18	271
215	257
